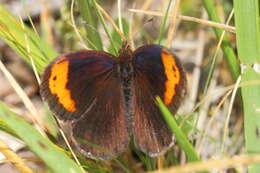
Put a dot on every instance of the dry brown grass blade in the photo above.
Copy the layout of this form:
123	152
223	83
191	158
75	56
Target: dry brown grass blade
196	74
214	59
82	43
45	17
240	160
110	20
28	49
160	161
27	159
70	148
189	18
26	100
18	162
132	29
211	121
173	23
226	91
137	19
119	15
226	130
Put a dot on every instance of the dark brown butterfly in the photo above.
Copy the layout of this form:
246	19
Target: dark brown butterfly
108	99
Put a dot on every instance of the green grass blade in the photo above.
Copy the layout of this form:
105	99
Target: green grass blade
180	136
163	25
117	40
226	45
101	18
20	38
4	127
246	19
40	145
186	125
92	34
248	43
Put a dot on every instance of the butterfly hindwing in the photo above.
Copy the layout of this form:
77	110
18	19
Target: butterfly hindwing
104	125
157	73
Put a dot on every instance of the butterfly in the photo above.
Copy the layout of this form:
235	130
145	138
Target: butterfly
107	99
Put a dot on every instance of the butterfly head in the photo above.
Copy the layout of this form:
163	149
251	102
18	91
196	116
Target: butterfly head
125	53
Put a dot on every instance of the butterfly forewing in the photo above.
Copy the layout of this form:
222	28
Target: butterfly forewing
70	80
157	73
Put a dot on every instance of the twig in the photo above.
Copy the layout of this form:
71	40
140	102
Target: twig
189	18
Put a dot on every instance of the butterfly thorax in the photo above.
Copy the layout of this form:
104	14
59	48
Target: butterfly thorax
125	62
125	53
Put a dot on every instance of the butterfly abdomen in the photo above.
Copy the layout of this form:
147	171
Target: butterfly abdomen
126	77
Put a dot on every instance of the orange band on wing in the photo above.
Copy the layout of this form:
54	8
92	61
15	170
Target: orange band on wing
57	84
172	73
